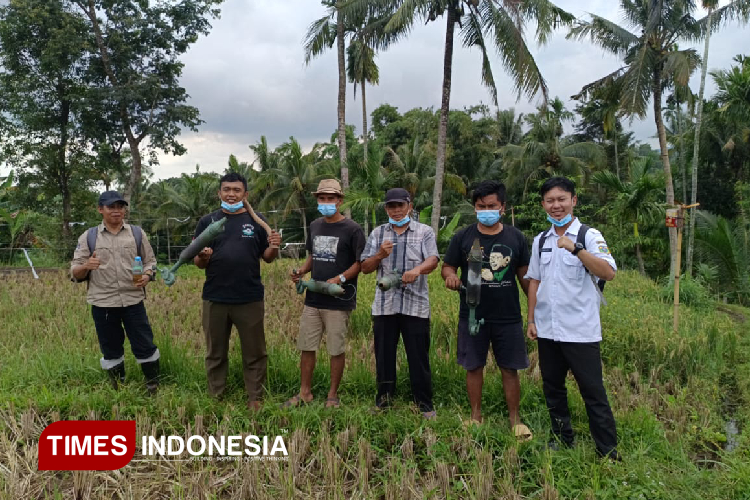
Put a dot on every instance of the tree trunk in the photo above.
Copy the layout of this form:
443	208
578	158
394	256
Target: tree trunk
342	103
304	229
63	176
683	167
134	181
367	222
135	174
696	150
667	167
639	258
364	119
437	194
617	159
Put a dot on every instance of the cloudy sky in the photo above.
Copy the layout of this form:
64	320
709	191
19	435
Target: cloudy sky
248	78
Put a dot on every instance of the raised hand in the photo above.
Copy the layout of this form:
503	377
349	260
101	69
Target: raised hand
92	262
386	248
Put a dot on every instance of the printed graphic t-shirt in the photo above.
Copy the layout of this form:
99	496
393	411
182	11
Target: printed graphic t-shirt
233	273
334	247
503	254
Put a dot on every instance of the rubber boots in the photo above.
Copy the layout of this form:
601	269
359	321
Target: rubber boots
117	375
151	372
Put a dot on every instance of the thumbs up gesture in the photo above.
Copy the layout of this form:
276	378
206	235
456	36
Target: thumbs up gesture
92	262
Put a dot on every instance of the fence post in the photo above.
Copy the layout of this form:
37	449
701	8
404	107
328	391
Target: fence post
169	244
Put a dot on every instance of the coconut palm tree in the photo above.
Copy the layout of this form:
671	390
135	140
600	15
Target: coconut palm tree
290	181
361	69
502	21
372	181
734	9
413	166
650	63
509	125
543	149
635	200
321	35
192	195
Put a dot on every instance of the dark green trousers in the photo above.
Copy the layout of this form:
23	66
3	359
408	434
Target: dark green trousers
217	326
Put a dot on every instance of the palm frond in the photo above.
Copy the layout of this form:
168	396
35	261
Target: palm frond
736	10
473	37
636	82
513	51
680	64
604	33
321	35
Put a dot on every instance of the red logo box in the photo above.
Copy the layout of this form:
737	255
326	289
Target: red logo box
87	445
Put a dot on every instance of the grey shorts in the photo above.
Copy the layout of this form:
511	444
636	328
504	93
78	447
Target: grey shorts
508	345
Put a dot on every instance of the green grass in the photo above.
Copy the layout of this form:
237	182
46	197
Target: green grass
671	394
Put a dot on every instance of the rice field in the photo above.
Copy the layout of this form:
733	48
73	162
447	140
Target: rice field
673	396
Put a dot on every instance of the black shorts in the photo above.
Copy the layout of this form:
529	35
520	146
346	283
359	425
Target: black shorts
508	345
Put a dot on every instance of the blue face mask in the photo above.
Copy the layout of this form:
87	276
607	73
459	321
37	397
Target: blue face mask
399	223
232	208
561	222
488	217
327	209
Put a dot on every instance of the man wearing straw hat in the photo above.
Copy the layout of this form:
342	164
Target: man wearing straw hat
334	245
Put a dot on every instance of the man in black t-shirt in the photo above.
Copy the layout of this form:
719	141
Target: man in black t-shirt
334	246
505	258
233	292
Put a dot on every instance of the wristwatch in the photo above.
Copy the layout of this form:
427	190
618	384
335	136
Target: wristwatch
342	278
578	248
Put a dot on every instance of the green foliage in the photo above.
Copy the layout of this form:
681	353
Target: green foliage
446	232
726	246
693	292
544	151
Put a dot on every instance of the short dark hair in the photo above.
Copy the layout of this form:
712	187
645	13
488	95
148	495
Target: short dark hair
486	188
233	177
558	182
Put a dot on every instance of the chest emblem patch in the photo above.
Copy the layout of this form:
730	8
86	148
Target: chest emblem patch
248	230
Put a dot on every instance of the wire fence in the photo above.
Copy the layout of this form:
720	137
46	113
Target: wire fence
168	236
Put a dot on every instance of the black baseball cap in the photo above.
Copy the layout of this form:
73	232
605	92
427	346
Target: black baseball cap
109	197
397	195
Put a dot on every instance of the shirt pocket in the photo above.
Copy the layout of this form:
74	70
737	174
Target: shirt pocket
572	268
413	254
128	254
544	262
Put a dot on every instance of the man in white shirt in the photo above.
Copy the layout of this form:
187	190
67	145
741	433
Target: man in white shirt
567	262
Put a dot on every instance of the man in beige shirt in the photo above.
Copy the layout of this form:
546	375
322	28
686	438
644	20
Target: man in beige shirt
116	297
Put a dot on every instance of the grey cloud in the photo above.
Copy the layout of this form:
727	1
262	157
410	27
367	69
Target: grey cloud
248	78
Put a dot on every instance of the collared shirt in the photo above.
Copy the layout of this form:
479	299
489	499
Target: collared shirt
567	301
112	284
410	249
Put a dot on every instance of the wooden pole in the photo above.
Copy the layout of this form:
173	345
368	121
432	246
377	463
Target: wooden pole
678	223
169	245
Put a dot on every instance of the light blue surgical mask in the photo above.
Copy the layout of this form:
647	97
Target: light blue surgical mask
488	217
327	209
561	222
399	223
231	207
